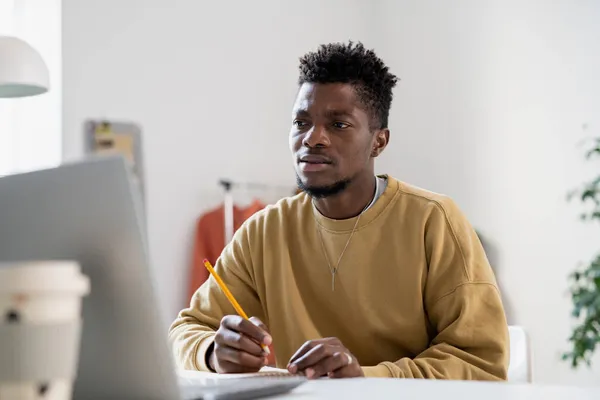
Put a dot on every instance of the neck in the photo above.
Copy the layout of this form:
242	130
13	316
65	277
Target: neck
351	202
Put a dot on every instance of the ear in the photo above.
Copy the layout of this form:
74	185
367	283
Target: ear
381	140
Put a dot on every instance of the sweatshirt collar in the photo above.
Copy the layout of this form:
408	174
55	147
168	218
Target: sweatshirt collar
368	216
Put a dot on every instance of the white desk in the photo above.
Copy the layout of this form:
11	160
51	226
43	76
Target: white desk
374	389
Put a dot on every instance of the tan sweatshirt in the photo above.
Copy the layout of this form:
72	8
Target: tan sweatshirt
414	296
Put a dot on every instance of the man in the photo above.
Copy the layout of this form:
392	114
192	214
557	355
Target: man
359	275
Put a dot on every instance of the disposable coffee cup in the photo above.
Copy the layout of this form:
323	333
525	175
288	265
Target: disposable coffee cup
40	328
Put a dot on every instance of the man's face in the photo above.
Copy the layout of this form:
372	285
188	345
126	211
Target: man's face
330	137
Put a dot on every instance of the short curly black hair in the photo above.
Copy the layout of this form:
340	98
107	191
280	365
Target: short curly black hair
352	63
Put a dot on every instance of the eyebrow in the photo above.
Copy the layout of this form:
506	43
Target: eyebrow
301	113
339	113
329	113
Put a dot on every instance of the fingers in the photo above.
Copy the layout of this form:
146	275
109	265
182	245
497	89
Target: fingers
245	327
328	365
325	357
239	341
313	356
347	371
238	345
240	358
305	348
259	323
309	345
262	326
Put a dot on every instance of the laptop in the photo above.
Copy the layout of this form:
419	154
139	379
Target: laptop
90	211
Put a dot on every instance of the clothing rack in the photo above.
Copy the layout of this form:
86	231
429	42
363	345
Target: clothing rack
228	185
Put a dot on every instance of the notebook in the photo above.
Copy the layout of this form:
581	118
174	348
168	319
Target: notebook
266	382
187	376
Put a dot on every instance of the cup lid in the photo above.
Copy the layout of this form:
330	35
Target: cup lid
43	276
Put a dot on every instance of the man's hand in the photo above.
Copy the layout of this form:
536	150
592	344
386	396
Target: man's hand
325	357
237	346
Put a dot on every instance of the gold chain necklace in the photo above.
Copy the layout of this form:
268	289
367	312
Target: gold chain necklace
337	266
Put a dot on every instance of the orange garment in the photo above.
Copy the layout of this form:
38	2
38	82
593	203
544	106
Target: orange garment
210	240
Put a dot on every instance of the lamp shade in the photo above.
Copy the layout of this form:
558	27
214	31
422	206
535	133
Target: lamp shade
23	72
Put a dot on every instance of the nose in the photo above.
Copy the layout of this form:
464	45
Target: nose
316	136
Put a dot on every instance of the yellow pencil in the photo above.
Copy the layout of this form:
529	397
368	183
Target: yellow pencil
229	296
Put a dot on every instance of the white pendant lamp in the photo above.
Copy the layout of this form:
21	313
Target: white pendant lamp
23	72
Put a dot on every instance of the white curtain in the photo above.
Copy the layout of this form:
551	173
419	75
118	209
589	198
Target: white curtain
30	128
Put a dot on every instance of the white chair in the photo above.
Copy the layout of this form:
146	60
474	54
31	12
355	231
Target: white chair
520	368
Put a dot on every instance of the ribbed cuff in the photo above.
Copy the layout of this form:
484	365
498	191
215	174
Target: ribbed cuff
377	371
201	352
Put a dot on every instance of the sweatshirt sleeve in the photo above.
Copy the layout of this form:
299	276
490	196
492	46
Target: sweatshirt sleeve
469	339
192	333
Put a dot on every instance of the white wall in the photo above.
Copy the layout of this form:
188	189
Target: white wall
28	143
491	103
212	85
490	108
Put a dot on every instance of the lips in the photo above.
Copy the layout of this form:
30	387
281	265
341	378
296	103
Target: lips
314	163
315	159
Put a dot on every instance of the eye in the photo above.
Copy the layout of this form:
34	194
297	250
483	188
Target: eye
341	125
298	123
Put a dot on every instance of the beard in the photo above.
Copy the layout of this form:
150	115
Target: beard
321	192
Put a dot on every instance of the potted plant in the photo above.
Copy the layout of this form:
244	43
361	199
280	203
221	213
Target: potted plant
585	281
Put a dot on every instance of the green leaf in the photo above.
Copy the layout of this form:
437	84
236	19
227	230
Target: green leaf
593	152
585	281
588	194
